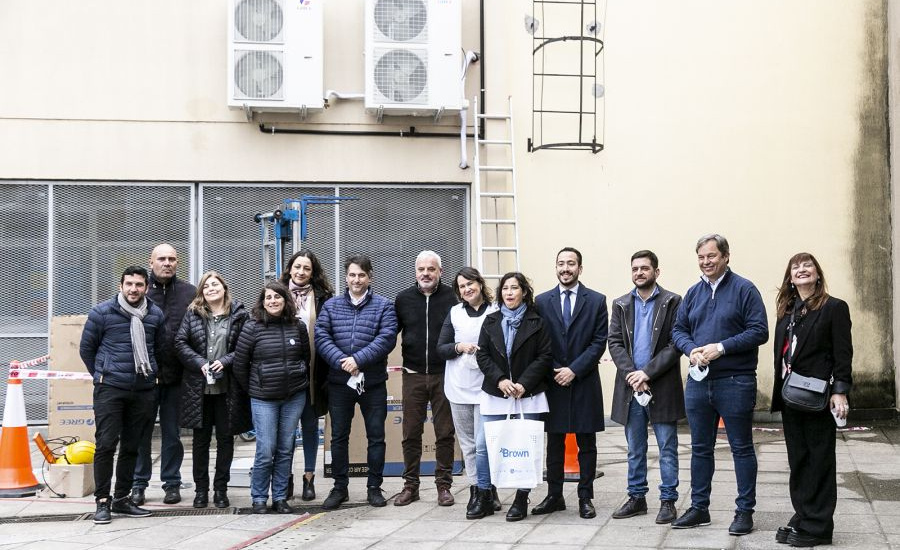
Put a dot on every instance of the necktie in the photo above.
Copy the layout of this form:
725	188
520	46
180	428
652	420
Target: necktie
567	308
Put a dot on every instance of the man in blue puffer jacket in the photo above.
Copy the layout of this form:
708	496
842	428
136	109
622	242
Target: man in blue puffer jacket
119	346
355	333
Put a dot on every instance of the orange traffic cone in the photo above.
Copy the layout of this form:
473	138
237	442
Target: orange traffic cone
16	477
571	469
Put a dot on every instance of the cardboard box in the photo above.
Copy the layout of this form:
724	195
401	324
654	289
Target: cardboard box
71	402
71	480
393	438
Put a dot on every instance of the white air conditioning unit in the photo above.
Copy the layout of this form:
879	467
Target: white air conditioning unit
413	56
275	59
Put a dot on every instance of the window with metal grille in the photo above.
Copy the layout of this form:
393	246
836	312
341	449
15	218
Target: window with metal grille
390	224
97	230
100	230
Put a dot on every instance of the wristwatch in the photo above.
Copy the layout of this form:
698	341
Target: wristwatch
720	348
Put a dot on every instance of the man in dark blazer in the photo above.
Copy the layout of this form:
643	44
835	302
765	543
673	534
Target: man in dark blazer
647	363
575	317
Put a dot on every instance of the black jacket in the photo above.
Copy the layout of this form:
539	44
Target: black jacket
664	368
824	348
270	362
173	298
531	361
191	344
106	345
419	318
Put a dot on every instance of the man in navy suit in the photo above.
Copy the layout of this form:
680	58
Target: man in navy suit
575	317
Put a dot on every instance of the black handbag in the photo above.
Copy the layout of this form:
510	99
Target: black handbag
805	393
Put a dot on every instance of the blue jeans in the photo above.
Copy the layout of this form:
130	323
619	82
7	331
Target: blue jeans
482	464
341	406
309	424
732	399
171	453
275	423
667	441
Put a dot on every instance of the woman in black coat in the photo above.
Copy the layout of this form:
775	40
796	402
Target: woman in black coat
812	338
305	278
270	362
515	357
205	344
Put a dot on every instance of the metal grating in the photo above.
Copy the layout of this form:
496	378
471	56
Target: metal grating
100	231
259	21
35	391
401	20
258	74
231	241
23	244
401	75
393	225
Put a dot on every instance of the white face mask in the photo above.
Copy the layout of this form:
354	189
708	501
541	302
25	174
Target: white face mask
698	372
643	397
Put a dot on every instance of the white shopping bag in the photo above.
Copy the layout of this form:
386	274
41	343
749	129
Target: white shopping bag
515	448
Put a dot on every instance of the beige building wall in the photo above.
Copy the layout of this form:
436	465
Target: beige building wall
762	120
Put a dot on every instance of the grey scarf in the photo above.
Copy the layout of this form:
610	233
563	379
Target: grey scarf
138	336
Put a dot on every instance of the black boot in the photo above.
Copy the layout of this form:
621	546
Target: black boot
309	488
483	505
496	499
519	509
474	495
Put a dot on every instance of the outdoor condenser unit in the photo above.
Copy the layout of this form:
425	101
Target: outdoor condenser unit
275	60
413	56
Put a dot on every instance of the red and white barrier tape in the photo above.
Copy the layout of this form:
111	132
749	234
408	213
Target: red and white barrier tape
30	363
20	370
34	374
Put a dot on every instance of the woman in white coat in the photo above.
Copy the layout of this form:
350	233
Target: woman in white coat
458	343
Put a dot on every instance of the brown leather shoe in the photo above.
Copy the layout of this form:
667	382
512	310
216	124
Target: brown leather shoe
445	497
407	496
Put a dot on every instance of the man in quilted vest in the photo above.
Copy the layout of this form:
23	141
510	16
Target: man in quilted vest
354	334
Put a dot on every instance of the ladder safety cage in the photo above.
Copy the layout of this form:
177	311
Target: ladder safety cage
567	94
496	215
288	225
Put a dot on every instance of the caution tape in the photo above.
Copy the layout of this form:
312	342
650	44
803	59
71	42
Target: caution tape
34	374
30	363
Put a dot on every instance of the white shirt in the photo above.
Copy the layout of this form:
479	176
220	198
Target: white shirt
572	297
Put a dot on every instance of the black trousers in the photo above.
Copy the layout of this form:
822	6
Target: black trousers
215	414
587	463
119	415
810	441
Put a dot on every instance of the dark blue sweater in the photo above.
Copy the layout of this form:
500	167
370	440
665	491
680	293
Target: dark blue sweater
736	318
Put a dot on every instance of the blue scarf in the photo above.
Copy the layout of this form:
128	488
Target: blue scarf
512	318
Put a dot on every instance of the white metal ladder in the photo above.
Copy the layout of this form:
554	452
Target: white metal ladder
496	215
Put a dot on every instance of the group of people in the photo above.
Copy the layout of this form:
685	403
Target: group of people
199	358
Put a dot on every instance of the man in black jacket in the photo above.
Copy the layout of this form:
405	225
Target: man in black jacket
421	310
120	345
172	295
647	367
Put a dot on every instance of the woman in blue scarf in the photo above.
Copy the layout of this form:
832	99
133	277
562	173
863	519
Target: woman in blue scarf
514	355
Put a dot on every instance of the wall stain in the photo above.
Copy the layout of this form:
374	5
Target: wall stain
874	387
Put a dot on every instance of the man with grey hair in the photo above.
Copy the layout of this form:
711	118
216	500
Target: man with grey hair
720	325
421	310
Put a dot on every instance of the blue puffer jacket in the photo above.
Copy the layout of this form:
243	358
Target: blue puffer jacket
106	345
367	331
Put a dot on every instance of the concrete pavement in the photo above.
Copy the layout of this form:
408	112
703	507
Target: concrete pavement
868	512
